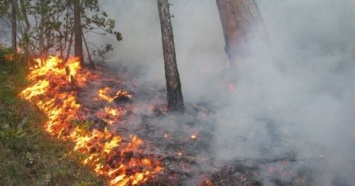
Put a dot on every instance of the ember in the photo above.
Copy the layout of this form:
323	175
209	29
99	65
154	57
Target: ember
120	95
194	136
231	88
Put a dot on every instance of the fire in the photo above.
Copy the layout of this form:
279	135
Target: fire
111	111
9	57
37	89
110	114
103	94
193	136
53	66
120	160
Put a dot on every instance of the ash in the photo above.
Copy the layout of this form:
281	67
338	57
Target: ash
183	143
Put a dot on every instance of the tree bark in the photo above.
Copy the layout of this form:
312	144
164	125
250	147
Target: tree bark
89	56
14	25
173	84
41	32
78	32
241	23
26	38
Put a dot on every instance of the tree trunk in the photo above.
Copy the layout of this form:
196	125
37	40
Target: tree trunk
25	37
241	23
89	56
41	32
173	85
14	25
78	32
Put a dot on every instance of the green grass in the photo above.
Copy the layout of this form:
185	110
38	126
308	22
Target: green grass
28	156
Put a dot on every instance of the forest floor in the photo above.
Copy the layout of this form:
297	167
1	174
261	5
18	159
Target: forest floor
28	155
180	145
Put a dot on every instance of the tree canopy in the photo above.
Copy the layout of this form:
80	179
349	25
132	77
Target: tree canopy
47	26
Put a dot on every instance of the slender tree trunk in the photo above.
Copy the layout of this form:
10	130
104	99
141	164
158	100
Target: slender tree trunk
41	32
25	37
78	32
89	56
173	84
69	47
14	24
241	22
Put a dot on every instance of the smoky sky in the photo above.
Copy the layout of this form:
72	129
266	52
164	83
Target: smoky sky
294	96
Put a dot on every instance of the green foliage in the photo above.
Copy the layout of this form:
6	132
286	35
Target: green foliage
97	19
52	23
7	59
103	50
4	7
50	31
28	156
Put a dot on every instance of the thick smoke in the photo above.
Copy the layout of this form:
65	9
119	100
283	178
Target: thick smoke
300	100
295	97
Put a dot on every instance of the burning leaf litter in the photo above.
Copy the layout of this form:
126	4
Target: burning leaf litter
109	154
96	114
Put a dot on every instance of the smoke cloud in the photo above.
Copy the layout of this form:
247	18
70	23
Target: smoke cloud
302	94
294	97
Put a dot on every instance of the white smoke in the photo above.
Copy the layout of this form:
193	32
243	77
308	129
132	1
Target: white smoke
303	94
298	100
198	39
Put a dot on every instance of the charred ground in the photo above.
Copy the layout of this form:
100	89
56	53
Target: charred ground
183	144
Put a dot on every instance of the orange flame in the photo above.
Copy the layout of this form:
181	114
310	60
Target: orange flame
103	96
110	115
107	153
104	91
111	111
193	136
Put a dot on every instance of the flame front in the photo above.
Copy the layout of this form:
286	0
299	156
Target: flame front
108	154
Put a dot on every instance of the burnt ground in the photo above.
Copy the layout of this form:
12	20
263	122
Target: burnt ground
182	143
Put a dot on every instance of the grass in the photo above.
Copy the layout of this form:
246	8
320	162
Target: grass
28	156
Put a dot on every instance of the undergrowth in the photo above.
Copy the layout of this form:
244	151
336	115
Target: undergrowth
28	156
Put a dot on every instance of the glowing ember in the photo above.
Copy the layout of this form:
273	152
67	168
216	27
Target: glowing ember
108	154
111	111
103	94
110	115
231	88
208	183
193	136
